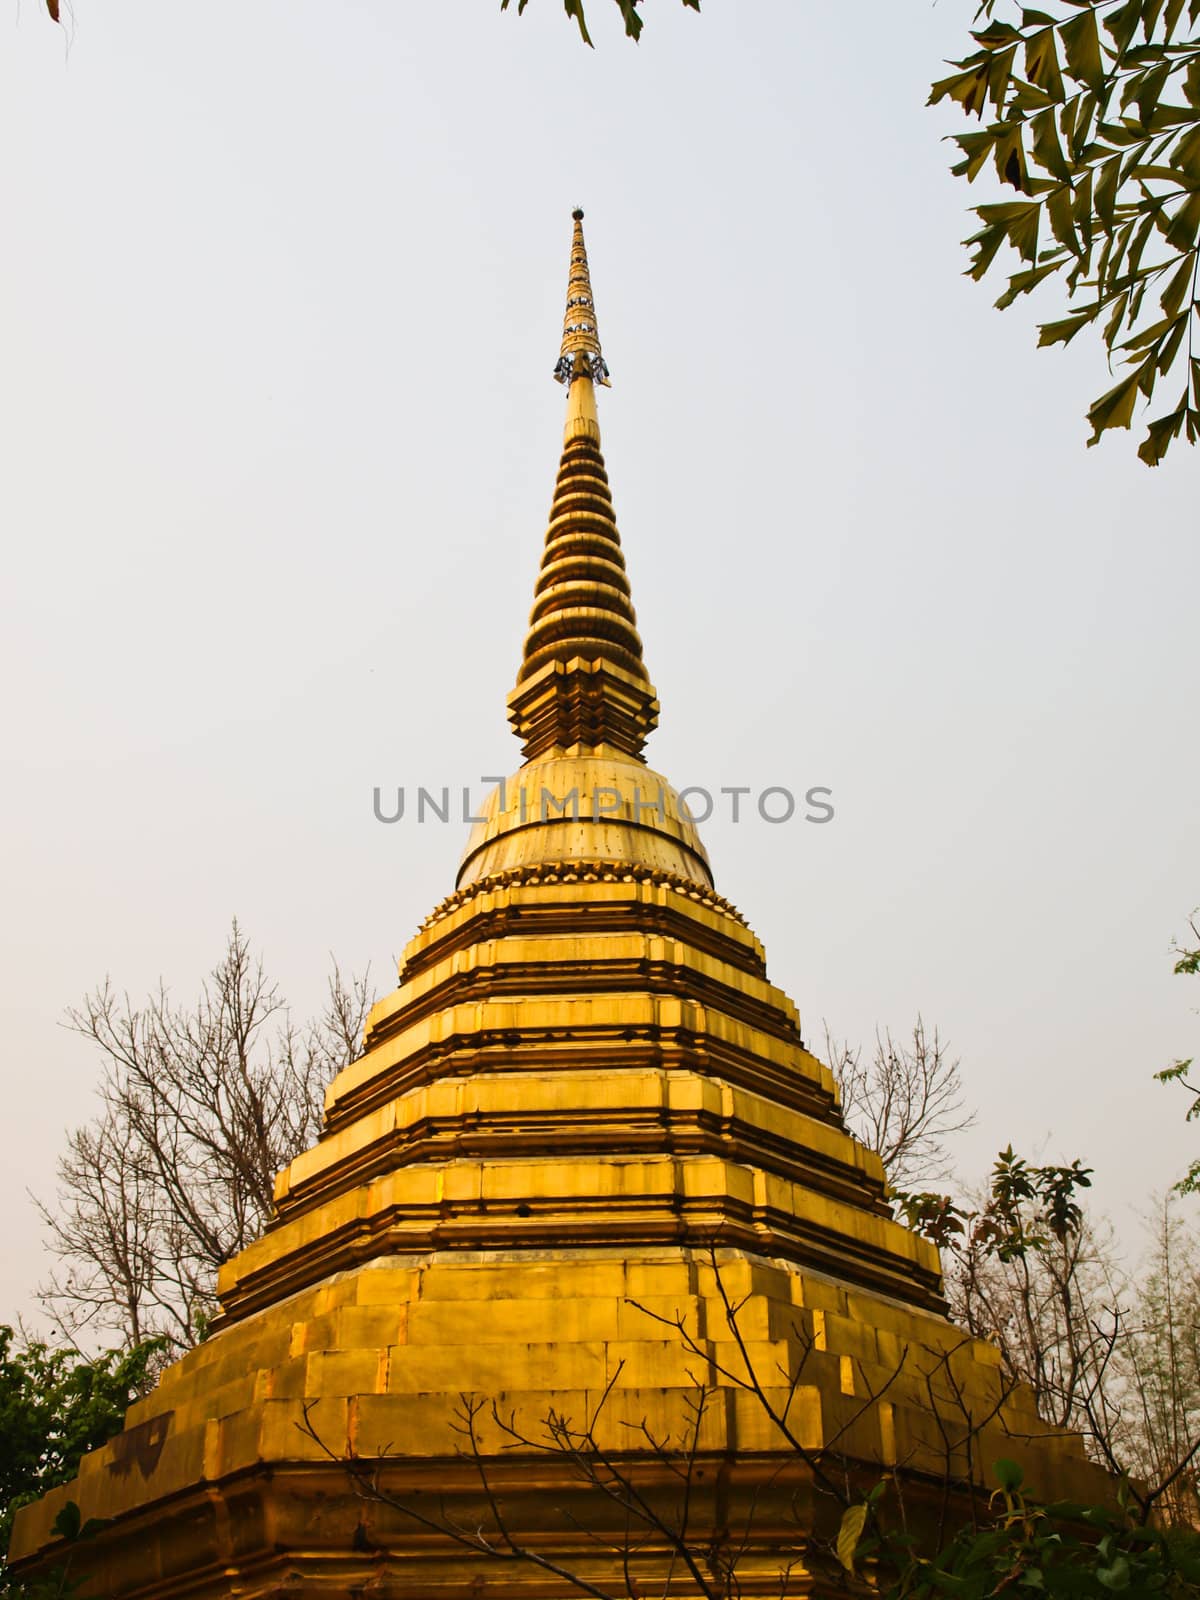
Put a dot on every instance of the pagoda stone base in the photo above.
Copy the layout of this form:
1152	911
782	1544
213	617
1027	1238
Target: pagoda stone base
245	1473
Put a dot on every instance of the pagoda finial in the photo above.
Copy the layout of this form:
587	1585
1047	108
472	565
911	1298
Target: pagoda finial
582	683
580	356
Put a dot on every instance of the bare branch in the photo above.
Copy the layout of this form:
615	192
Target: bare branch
903	1102
201	1108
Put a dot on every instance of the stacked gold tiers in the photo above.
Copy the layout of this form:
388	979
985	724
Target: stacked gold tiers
584	1127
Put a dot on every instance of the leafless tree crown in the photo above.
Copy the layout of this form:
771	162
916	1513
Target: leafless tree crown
201	1107
903	1101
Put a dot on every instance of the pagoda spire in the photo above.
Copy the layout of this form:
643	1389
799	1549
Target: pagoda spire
580	353
584	1089
582	684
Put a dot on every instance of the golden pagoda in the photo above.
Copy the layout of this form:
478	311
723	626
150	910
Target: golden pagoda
587	1196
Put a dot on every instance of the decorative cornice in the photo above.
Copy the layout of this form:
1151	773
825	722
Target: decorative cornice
551	872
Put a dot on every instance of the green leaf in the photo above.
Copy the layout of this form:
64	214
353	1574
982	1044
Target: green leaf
1047	151
1112	326
1149	335
1115	1577
1122	24
1060	210
1026	97
1022	282
976	147
629	14
1106	189
1170	1074
1008	1474
999	73
1020	223
68	1521
1150	90
574	8
1168	116
1063	332
1124	133
1081	210
1010	156
1041	63
968	88
1163	174
996	33
1085	104
1169	348
1162	431
1081	46
1138	243
853	1521
1186	155
988	241
1130	87
1068	115
1185	224
1114	409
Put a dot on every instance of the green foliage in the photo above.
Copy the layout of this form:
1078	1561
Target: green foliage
57	1583
55	1405
1093	116
628	9
937	1216
1026	1548
1059	1549
1025	1208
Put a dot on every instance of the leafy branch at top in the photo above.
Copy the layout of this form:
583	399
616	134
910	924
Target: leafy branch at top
628	9
1092	114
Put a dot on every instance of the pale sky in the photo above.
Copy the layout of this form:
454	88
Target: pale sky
280	294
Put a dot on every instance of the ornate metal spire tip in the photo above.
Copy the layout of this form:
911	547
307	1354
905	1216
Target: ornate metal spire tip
580	355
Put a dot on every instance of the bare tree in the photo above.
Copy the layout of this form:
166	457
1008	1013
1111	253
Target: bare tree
1157	1369
202	1106
903	1102
105	1229
1054	1311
